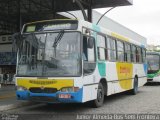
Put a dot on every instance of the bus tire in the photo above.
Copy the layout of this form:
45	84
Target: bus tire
135	87
98	102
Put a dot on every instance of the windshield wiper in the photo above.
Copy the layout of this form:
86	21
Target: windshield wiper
57	40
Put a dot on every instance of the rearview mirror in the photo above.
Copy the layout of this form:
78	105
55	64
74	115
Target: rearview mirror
90	42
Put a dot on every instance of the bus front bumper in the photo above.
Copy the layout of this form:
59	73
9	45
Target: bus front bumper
154	79
75	97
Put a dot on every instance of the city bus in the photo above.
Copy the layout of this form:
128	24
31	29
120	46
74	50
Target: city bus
75	61
153	60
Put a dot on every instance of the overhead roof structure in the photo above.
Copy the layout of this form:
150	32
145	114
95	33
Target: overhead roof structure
13	13
57	5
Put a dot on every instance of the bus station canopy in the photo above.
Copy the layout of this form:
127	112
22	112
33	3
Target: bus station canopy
14	13
26	6
95	4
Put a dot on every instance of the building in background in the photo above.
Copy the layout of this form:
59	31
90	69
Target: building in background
153	48
7	58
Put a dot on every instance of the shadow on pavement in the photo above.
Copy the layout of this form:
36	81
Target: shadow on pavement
152	84
72	108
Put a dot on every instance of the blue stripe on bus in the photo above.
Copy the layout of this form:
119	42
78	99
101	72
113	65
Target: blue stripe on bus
22	95
145	66
76	96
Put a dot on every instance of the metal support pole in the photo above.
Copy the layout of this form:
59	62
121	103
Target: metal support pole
104	14
54	8
89	11
19	19
82	9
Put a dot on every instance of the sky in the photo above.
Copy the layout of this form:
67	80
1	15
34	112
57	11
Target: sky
143	17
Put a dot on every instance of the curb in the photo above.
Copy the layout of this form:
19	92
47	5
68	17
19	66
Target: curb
12	106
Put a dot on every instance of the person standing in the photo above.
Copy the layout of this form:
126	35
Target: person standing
5	77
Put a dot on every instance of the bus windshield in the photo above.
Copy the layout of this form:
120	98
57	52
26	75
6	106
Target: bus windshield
153	62
50	54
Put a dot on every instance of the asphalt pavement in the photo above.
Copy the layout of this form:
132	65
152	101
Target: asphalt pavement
147	101
8	98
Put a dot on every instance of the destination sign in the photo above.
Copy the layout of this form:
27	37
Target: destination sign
51	26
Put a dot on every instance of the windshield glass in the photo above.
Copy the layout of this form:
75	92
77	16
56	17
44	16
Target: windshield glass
153	62
50	54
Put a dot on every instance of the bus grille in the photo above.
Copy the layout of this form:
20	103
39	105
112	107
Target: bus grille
44	90
43	99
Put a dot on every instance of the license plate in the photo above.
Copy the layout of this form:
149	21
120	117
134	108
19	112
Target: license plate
64	96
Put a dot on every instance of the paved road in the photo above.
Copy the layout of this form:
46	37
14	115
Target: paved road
147	101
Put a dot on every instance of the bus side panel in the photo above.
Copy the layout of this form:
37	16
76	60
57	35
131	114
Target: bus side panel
111	71
90	86
111	77
110	88
140	71
89	92
119	77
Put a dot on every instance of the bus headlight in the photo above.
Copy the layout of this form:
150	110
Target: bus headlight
21	88
70	89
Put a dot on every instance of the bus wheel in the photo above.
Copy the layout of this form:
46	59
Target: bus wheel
100	97
135	87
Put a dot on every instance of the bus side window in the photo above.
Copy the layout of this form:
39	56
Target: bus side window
138	55
85	53
101	43
127	52
112	49
143	55
120	51
107	48
134	53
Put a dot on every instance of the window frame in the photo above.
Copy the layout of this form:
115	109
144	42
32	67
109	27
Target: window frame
118	51
87	51
100	47
89	62
143	50
109	49
128	52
